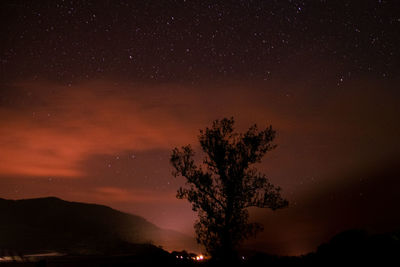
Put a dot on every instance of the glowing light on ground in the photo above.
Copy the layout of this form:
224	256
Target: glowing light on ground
200	258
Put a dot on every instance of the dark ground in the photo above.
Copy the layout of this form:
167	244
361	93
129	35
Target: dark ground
353	247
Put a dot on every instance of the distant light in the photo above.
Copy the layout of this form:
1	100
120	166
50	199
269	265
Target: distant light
200	258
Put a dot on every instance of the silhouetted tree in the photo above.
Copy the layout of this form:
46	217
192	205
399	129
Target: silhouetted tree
225	185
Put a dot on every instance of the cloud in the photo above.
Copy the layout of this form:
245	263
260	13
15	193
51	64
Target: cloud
61	127
49	129
116	195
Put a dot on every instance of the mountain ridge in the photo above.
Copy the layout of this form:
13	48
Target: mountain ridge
50	222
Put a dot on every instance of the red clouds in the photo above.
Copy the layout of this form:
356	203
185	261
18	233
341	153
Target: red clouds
62	126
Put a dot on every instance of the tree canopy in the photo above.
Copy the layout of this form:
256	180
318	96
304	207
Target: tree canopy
226	184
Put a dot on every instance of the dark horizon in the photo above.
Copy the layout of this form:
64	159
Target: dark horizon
94	96
53	211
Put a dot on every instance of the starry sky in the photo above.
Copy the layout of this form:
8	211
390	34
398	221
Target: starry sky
94	95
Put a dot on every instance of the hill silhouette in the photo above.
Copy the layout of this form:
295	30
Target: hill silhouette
358	247
56	225
353	247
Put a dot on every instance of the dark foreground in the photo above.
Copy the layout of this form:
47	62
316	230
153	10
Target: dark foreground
257	260
350	248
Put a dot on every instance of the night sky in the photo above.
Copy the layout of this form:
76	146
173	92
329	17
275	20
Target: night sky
94	95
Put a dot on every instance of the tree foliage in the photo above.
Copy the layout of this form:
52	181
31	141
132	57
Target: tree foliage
225	184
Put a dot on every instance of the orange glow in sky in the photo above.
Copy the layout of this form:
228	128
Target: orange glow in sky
109	143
